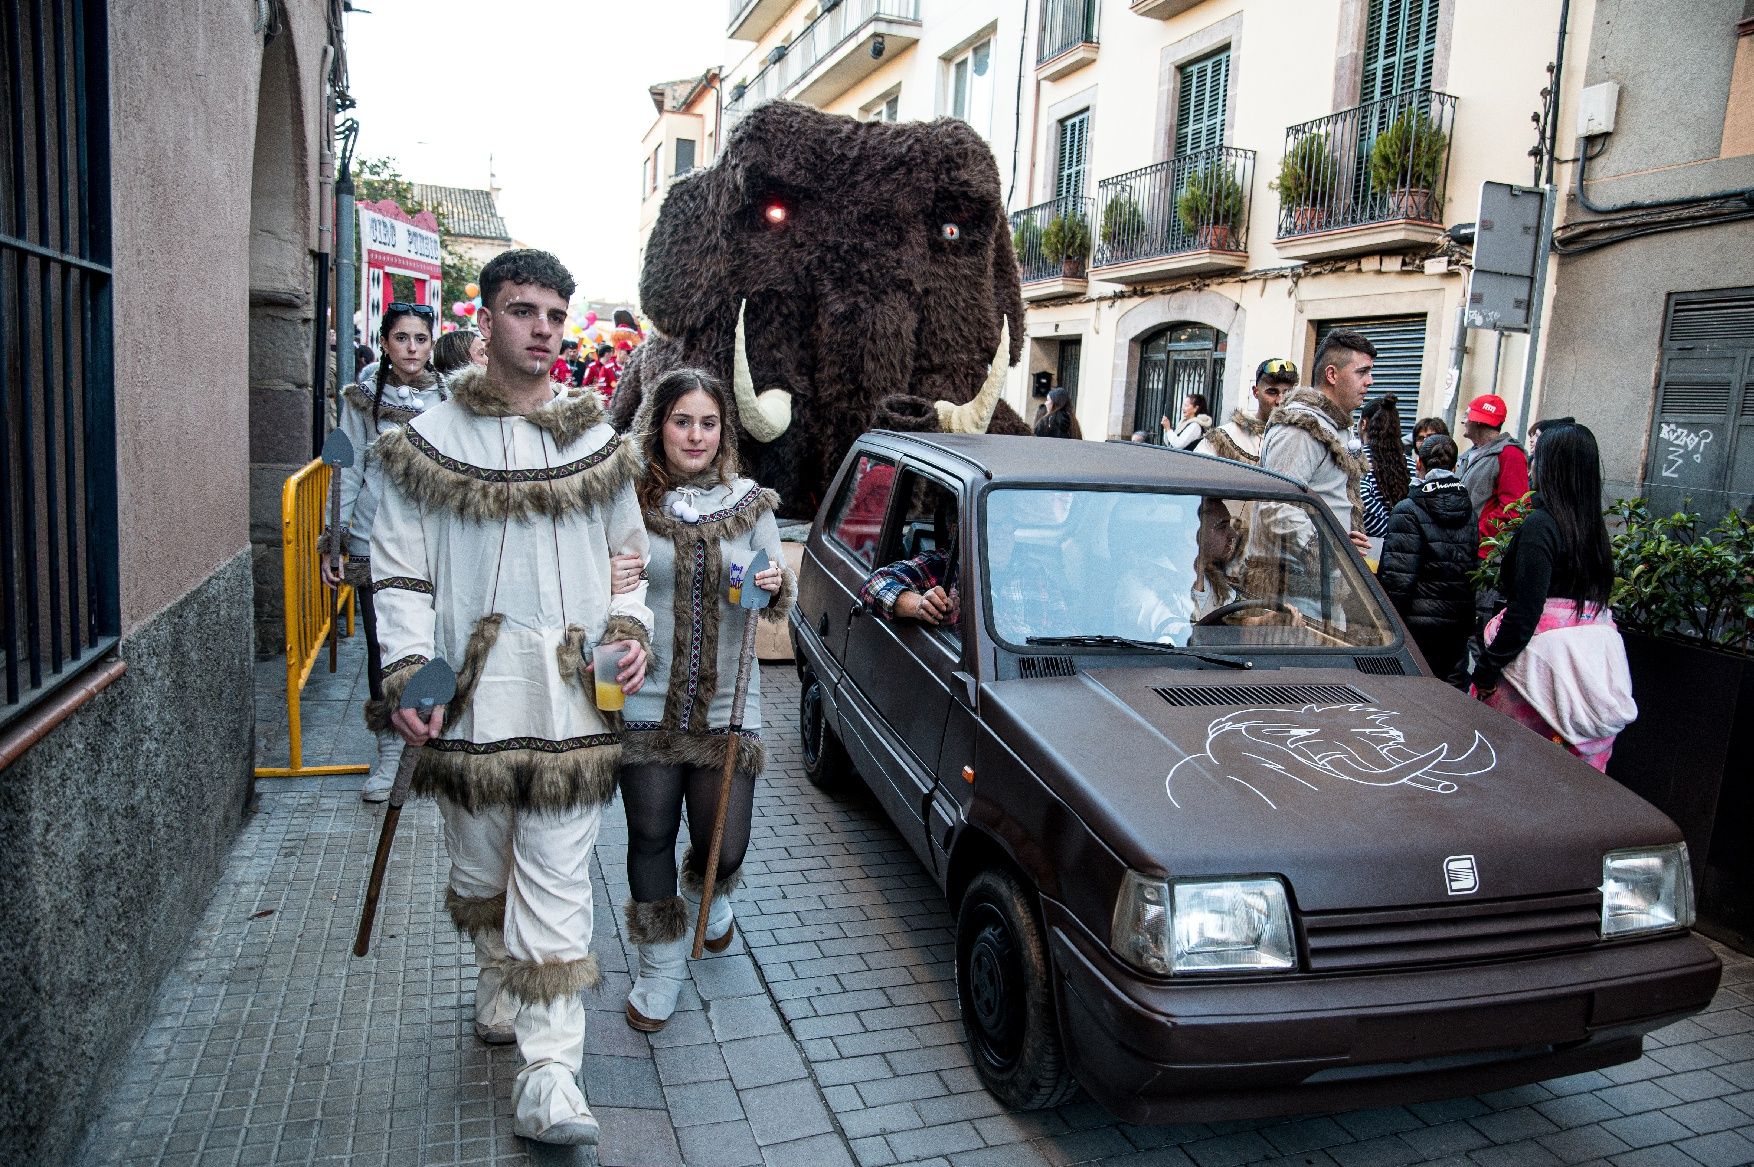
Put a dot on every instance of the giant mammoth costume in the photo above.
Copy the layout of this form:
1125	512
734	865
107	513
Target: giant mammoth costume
865	267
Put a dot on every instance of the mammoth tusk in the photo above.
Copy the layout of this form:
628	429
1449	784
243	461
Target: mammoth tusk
973	416
765	416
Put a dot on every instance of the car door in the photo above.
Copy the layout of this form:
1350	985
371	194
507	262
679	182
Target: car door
904	670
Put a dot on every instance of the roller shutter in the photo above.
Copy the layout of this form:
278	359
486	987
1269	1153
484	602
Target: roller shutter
1400	355
1701	453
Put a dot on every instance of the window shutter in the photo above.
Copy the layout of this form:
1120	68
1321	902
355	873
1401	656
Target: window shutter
1400	47
684	155
1074	145
1400	357
1701	453
1200	105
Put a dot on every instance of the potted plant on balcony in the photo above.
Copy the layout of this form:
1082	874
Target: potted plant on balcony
1405	162
1026	242
1066	241
1306	182
1123	227
1211	206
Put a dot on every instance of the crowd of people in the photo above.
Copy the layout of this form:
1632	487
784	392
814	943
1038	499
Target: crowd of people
497	520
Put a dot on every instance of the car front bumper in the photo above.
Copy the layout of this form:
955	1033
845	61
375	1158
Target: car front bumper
1195	1050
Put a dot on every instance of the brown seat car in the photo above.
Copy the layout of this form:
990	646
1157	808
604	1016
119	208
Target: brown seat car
1218	843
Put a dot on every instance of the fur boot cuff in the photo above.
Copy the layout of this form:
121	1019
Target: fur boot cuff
538	982
695	882
657	921
476	914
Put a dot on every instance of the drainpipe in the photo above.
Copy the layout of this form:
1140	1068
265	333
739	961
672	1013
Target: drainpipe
1544	245
1457	352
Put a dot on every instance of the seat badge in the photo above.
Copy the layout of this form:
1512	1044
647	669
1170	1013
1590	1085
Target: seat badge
1461	874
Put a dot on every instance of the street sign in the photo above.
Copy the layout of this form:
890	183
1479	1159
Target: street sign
1506	252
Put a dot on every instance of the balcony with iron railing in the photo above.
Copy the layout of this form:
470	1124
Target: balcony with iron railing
753	19
1189	214
1368	178
1052	241
1067	39
834	52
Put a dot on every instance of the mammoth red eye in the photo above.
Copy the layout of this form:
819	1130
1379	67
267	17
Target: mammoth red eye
950	231
775	213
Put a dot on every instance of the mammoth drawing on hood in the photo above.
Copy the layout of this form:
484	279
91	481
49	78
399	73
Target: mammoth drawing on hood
846	276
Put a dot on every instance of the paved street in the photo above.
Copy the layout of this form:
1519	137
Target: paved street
826	1035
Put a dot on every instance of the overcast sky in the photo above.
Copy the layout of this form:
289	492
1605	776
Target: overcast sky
553	90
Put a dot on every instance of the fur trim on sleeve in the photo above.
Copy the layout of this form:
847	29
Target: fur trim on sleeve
622	627
396	677
776	611
435	480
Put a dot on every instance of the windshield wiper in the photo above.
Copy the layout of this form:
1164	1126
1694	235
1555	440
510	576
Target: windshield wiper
1092	640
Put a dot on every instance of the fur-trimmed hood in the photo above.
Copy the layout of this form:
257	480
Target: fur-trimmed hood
1248	423
566	418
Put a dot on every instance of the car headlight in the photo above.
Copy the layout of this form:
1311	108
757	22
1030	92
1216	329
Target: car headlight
1203	925
1646	889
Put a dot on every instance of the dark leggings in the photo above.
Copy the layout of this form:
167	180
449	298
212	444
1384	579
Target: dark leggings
652	794
374	662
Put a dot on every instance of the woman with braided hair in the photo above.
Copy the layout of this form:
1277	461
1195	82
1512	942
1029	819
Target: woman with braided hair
705	523
405	385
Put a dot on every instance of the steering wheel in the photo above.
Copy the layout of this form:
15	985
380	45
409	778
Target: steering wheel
1216	615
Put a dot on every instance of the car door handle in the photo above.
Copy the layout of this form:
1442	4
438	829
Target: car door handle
854	612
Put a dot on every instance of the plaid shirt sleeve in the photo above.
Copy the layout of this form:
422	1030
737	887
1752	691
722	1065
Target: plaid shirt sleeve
922	573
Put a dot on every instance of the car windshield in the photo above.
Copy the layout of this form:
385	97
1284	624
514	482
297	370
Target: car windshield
1173	568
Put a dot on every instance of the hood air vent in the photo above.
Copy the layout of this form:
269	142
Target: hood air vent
1046	666
1188	696
1380	666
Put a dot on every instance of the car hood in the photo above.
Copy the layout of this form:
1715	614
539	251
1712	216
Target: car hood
1358	789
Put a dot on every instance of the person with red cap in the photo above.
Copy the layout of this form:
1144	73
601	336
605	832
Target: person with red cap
1495	470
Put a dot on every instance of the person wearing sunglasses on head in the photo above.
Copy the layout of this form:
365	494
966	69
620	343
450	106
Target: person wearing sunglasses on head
405	384
1239	439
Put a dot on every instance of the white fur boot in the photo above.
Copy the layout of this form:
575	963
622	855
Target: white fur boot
546	1101
720	919
383	776
661	930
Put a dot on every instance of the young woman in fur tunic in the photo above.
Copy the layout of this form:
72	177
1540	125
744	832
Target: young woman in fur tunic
406	384
702	520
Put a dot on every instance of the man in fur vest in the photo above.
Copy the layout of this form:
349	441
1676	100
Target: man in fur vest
1309	437
1239	439
502	510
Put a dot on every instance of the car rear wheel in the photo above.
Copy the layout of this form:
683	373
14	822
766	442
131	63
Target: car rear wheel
1004	984
825	759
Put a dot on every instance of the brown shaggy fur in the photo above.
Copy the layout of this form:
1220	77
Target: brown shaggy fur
656	922
360	398
431	485
481	642
857	297
526	779
378	710
692	878
566	418
692	749
538	982
622	627
1300	419
476	914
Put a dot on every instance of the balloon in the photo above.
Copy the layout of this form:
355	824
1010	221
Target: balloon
590	318
459	308
448	326
468	309
471	290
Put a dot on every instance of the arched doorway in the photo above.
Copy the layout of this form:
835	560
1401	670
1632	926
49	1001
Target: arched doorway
1174	361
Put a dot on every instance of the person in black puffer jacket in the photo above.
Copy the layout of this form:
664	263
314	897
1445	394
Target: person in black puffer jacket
1430	548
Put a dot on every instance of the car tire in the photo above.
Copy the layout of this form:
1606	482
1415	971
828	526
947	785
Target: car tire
1004	984
826	764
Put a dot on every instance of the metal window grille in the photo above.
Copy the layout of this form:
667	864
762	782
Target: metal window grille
59	603
1178	360
1200	104
1071	357
1065	24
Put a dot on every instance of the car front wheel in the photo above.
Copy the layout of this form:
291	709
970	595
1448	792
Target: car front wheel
825	759
1003	982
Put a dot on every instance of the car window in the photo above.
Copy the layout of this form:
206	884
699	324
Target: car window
1173	568
925	539
858	513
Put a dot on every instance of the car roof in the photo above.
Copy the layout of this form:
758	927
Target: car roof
1004	458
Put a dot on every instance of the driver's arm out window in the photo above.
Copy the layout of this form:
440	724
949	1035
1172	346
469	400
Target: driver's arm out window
858	515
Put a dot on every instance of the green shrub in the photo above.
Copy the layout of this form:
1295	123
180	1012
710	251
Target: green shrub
1306	173
1066	238
1409	154
1672	578
1122	221
1211	197
1026	238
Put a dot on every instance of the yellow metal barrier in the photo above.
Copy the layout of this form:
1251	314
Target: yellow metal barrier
309	610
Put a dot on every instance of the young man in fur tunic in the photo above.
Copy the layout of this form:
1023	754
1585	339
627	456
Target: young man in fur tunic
1239	439
1309	437
502	510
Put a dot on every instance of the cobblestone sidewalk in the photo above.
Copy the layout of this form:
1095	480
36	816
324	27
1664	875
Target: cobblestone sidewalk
826	1035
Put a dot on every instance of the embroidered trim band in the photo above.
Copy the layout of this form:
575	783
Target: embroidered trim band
412	661
542	474
406	583
542	745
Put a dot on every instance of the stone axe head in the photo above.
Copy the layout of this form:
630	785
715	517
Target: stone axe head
754	597
434	684
337	449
